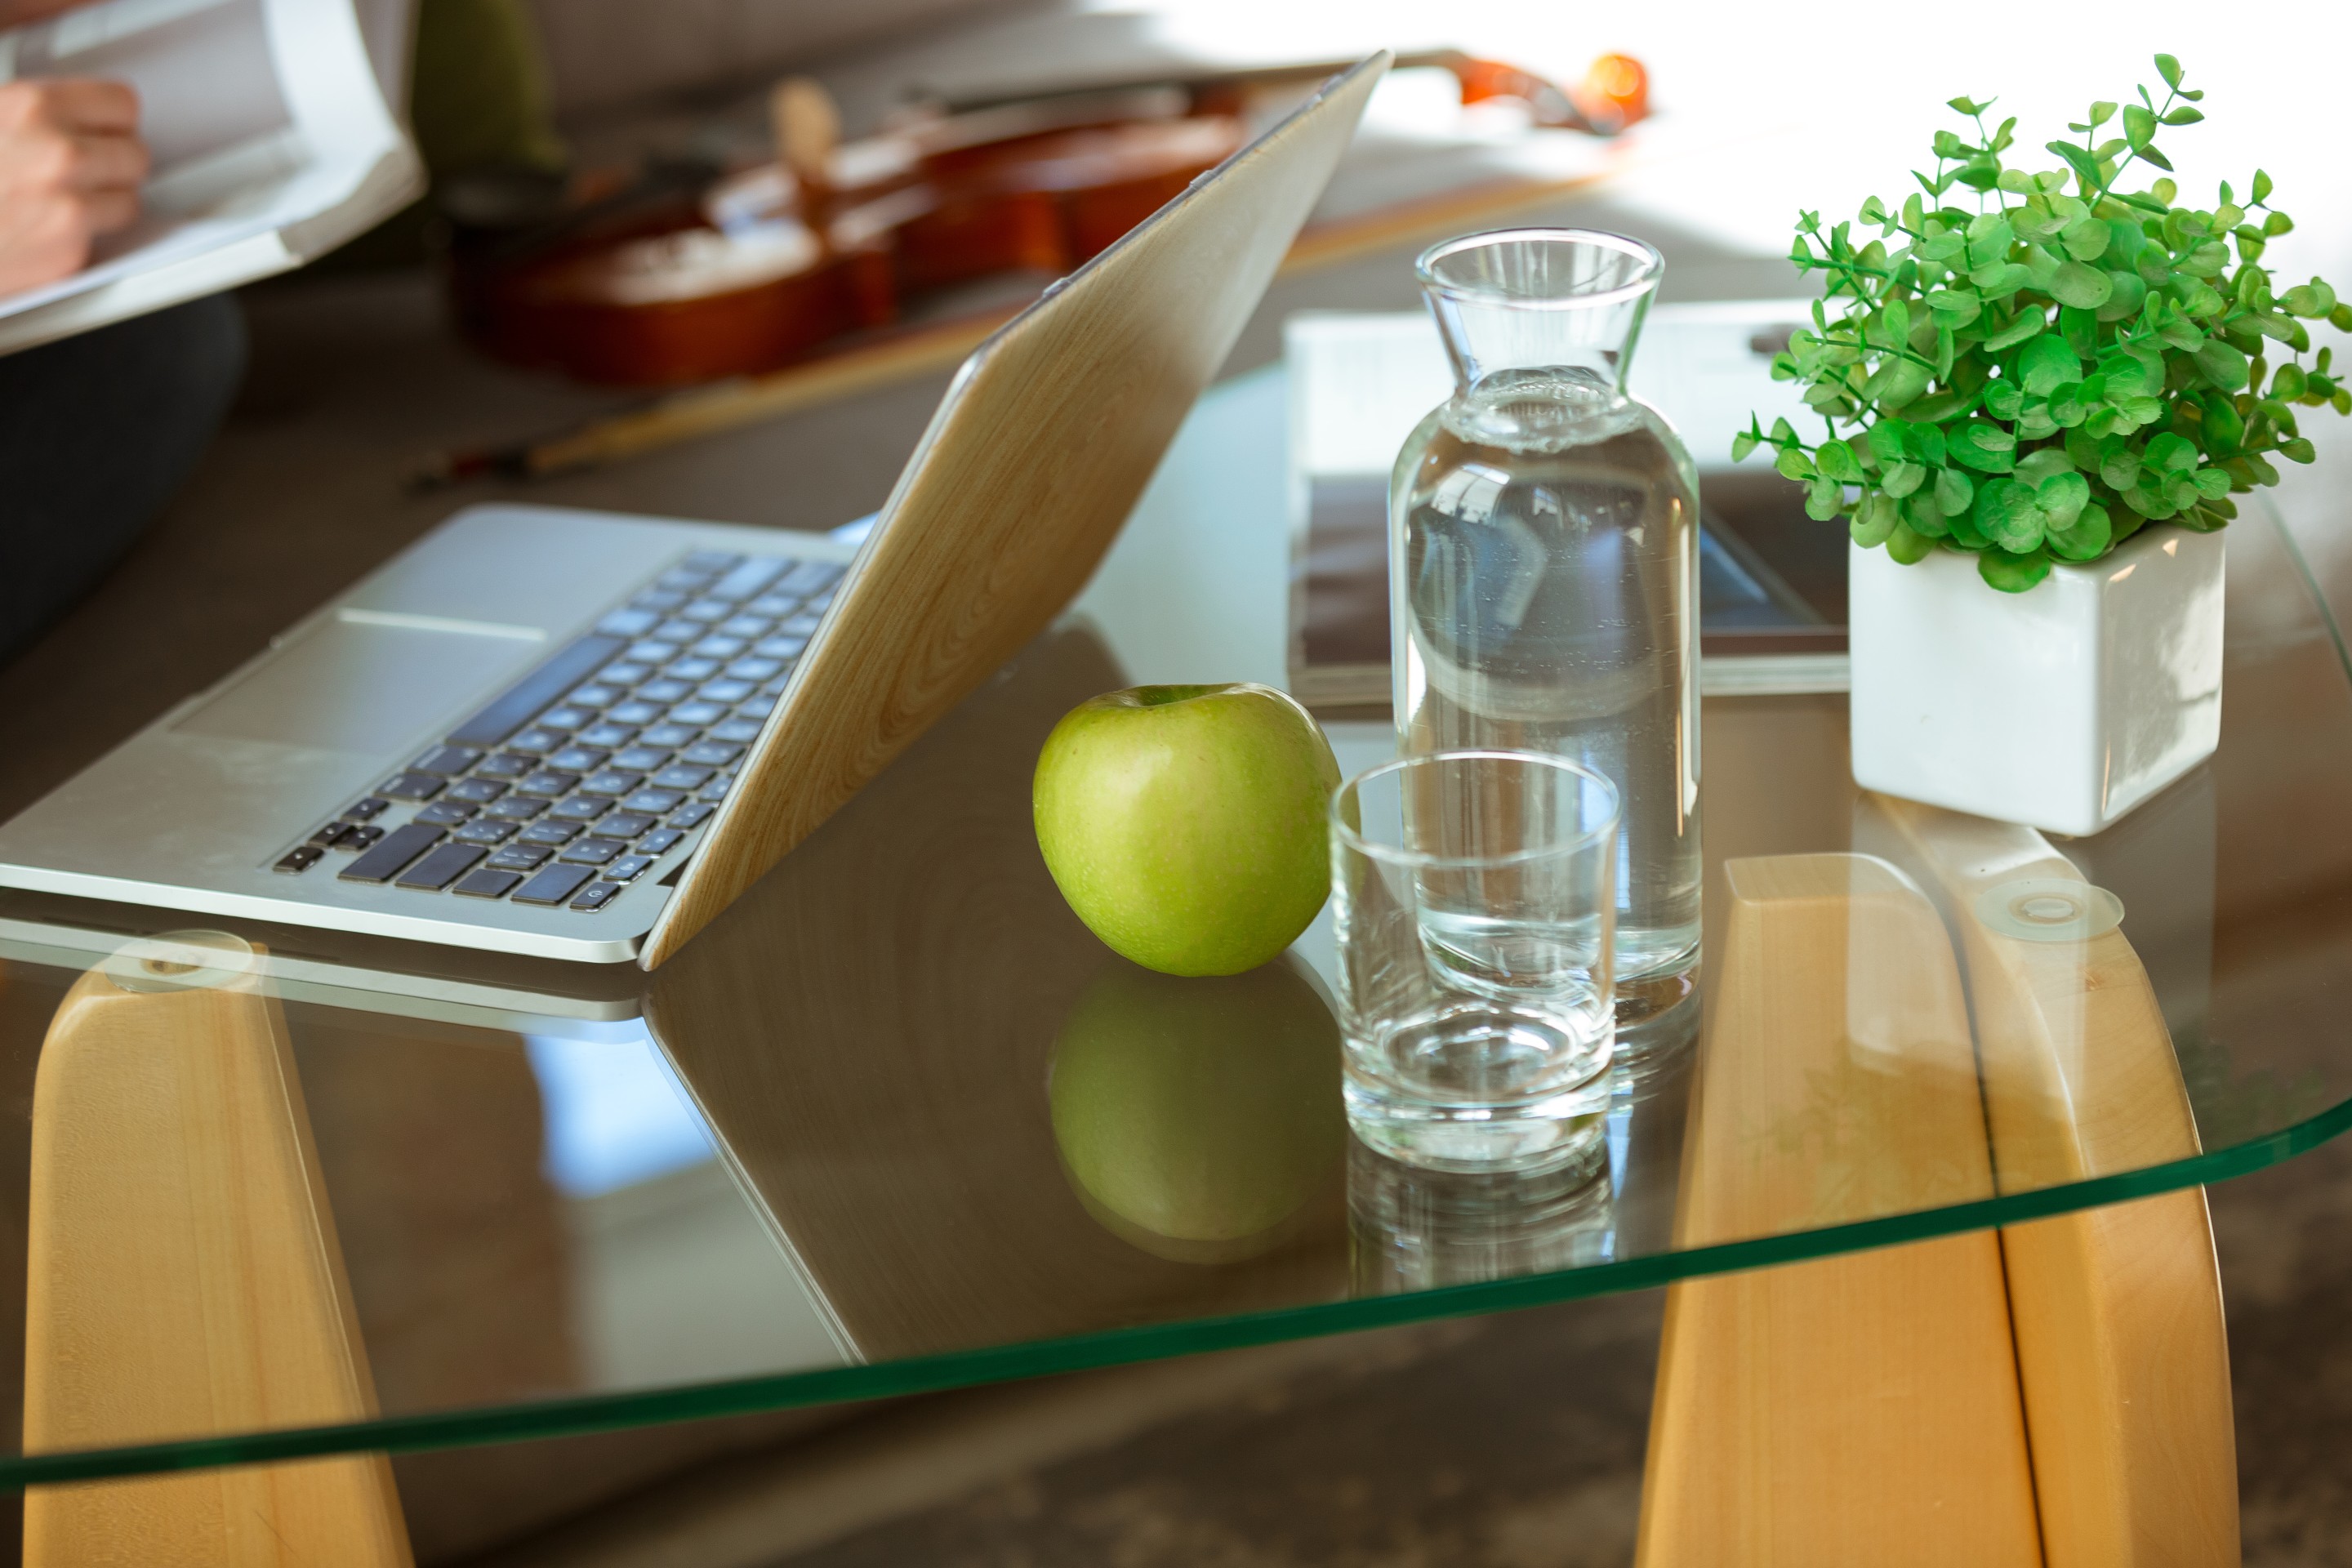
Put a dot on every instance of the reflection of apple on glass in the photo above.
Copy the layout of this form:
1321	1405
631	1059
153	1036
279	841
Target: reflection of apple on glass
1199	1118
1185	824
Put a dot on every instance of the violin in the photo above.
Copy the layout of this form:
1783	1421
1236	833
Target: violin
686	274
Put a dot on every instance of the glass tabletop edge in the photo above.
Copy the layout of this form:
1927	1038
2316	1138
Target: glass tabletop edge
1153	1341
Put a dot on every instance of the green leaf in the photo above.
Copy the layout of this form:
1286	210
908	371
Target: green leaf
2046	364
2262	192
1924	443
1957	306
2013	573
2087	239
2084	539
1873	521
2212	484
2026	322
2062	497
2083	287
1897	382
1908	547
1824	499
2139	126
2079	159
1968	106
2081	330
1984	447
2222	364
2287	383
2184	115
2130	294
1835	460
1901	479
2005	400
2298	451
2040	463
1743	444
1924	517
1887	442
1793	464
1955	493
2169	69
2006	515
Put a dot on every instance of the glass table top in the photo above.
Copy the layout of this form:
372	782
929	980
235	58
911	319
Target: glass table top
821	1155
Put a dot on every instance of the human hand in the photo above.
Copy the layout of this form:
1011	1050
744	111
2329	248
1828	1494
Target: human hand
70	165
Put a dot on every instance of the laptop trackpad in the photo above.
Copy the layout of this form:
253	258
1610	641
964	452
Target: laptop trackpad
363	686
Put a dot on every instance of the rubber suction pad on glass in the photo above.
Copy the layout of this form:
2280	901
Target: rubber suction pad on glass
2046	908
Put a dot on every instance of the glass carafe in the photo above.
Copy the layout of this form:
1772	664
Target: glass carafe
1543	561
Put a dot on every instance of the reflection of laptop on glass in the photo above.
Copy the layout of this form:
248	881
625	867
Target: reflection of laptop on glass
580	735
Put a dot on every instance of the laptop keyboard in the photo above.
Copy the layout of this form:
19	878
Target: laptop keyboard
579	778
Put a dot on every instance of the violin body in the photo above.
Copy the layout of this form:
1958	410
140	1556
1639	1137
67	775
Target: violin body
666	287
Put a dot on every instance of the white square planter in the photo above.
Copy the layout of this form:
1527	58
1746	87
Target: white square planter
2062	707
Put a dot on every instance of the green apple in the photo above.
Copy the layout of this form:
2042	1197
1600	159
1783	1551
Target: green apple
1196	1118
1185	824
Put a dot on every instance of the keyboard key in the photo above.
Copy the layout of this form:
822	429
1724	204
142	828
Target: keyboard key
487	884
682	776
551	833
680	630
628	868
711	561
441	868
515	707
750	629
593	852
566	718
505	765
412	786
817	603
669	737
632	623
553	885
361	837
668	688
757	708
773	604
716	790
594	695
597	897
691	816
775	688
485	832
640	758
581	808
660	841
518	858
809	577
754	669
446	813
749	578
625	825
515	808
687	579
801	626
374	805
780	646
448	761
537	740
334	833
391	857
735	732
611	782
547	783
693	670
638	711
712	754
660	601
654	652
700	713
656	802
578	760
302	858
477	792
706	611
607	734
624	673
724	693
717	647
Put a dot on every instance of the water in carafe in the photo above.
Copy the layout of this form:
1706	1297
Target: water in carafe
1543	562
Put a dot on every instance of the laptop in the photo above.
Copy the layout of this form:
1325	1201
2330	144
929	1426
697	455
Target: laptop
580	736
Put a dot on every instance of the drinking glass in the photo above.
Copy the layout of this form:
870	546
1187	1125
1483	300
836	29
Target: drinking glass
1474	898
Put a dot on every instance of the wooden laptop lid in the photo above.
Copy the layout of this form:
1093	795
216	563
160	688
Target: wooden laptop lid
1028	470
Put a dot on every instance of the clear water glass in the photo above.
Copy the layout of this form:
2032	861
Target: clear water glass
1543	558
1474	900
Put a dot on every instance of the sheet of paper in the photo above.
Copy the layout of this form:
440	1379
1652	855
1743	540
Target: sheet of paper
262	115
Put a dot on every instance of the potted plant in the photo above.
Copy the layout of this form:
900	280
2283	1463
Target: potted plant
2042	392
